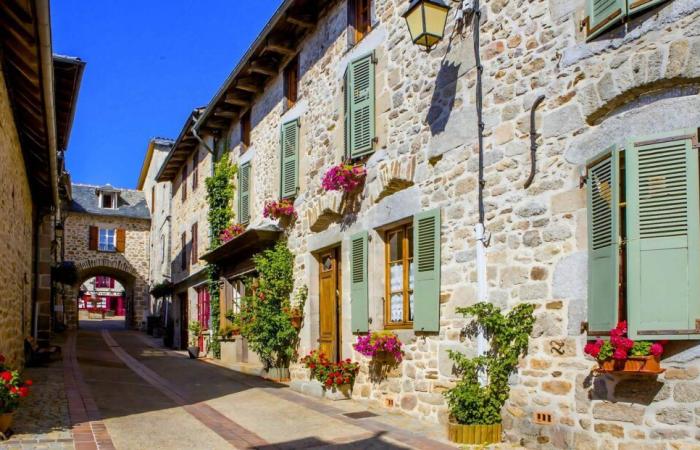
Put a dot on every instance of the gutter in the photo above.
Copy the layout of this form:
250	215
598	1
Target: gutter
46	56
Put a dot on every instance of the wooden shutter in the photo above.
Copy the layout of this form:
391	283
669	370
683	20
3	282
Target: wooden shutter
635	6
121	240
603	193
289	159
153	199
426	271
602	14
194	253
183	251
346	112
663	226
183	184
195	170
244	193
361	105
94	236
359	291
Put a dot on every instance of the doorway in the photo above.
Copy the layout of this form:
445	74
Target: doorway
184	321
329	304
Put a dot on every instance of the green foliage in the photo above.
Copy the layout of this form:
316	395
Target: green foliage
641	348
195	330
162	289
471	403
264	322
220	199
606	351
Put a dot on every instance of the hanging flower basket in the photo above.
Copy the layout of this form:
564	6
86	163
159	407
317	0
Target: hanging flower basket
344	177
381	346
282	210
623	355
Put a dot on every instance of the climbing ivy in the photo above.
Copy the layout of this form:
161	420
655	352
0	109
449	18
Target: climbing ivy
220	199
471	403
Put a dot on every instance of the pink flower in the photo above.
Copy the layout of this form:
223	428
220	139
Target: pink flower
620	354
592	349
656	349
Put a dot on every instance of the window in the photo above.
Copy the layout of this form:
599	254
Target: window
245	130
291	82
195	170
399	276
183	183
234	291
359	107
107	240
104	282
183	251
194	252
108	200
602	15
644	238
359	19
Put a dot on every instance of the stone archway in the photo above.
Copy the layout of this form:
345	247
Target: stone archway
135	287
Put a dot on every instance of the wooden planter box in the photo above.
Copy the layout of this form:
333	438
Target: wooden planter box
648	365
5	424
277	374
474	434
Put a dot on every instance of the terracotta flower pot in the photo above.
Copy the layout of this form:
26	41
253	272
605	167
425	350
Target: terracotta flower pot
633	364
5	422
296	321
474	434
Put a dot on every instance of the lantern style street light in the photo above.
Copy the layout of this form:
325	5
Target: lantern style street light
426	21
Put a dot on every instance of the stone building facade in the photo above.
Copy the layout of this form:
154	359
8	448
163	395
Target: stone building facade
158	197
110	241
641	77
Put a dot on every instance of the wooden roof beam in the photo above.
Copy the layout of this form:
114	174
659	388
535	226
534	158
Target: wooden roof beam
232	99
249	86
223	113
283	48
301	21
265	69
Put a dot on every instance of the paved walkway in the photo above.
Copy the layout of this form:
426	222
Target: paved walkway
123	391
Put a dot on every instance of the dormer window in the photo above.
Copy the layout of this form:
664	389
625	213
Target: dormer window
108	197
107	201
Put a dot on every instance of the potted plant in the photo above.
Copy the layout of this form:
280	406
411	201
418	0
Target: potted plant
344	177
12	390
228	331
65	273
337	379
162	289
480	393
381	346
195	330
296	312
623	355
282	210
231	232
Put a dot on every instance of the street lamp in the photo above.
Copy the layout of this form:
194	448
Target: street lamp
426	21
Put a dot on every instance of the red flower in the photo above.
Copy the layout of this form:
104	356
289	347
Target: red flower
23	392
620	354
312	366
28	383
656	349
592	349
329	382
7	376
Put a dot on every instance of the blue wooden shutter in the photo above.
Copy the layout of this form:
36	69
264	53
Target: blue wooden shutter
603	14
244	193
663	226
426	271
289	159
359	293
603	192
361	105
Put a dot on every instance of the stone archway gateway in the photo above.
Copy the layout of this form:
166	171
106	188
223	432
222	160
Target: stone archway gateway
107	234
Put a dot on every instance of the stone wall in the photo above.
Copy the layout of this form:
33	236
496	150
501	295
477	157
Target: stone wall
599	93
16	235
130	268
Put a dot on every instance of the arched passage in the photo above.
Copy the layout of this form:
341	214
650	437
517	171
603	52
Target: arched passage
135	287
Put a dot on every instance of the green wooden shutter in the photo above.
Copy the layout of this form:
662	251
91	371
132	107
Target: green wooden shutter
603	193
663	226
289	159
602	14
346	112
359	293
635	6
244	193
361	99
426	271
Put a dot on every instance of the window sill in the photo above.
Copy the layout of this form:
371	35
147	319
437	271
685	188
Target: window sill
399	326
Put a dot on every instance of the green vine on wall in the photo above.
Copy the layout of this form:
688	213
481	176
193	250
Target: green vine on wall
471	403
220	199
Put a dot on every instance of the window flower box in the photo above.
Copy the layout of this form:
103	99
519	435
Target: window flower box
623	355
344	177
282	210
381	346
231	233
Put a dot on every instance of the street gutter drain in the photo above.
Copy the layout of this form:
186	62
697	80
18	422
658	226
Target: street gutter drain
360	415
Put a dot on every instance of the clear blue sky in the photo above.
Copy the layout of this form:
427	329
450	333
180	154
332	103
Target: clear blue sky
149	63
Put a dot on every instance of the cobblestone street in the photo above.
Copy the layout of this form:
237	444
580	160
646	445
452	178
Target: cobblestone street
115	394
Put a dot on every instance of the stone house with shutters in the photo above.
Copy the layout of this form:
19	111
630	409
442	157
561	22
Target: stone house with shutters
38	94
107	234
606	230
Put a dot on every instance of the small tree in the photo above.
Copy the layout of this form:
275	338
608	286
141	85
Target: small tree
471	403
264	322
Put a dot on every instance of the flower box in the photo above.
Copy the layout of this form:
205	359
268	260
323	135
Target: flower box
634	364
474	434
277	374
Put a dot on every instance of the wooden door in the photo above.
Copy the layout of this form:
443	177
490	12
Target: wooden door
329	305
184	319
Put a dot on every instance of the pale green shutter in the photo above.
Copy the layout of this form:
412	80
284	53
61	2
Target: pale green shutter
663	225
361	99
359	294
289	159
603	193
426	271
346	112
602	14
635	6
244	193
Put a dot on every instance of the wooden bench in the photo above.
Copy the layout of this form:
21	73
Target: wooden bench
35	355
